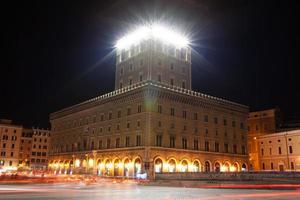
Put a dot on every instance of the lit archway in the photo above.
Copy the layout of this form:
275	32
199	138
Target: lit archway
184	166
127	166
217	167
99	167
226	167
244	167
207	166
117	167
196	166
108	166
158	165
172	166
137	166
235	167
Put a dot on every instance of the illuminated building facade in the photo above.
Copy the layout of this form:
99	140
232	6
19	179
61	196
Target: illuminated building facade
10	136
260	123
153	122
280	151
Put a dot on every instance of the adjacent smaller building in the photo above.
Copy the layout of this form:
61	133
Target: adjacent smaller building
25	148
9	144
280	151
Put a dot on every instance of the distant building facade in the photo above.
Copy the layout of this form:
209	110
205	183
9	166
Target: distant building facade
280	151
22	147
260	123
153	122
10	136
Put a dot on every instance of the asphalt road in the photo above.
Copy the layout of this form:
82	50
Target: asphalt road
132	191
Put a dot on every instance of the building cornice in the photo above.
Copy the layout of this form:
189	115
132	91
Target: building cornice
137	88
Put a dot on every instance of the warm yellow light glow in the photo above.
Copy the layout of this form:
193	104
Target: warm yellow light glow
77	163
109	165
232	168
91	162
156	31
101	165
120	165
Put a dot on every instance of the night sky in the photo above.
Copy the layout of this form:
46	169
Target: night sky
59	53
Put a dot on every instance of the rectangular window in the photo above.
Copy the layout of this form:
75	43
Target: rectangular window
184	143
117	142
279	150
243	150
270	151
127	141
292	166
108	144
100	144
196	145
225	122
234	149
206	146
158	140
290	149
172	142
262	152
226	149
119	114
217	147
138	140
159	78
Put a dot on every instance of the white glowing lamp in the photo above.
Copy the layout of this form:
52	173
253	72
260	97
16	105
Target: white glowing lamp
159	32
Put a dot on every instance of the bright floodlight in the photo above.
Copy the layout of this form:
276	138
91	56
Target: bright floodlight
156	31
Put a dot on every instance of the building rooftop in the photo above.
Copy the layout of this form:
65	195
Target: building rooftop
167	87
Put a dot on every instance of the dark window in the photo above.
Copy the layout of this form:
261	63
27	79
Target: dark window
139	108
272	166
108	143
262	152
117	142
292	166
100	144
243	150
172	142
158	140
226	150
110	116
127	141
225	122
171	81
279	150
234	149
206	146
290	149
119	113
138	140
184	143
217	147
196	145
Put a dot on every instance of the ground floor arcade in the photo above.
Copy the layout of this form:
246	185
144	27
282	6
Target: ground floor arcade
130	162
